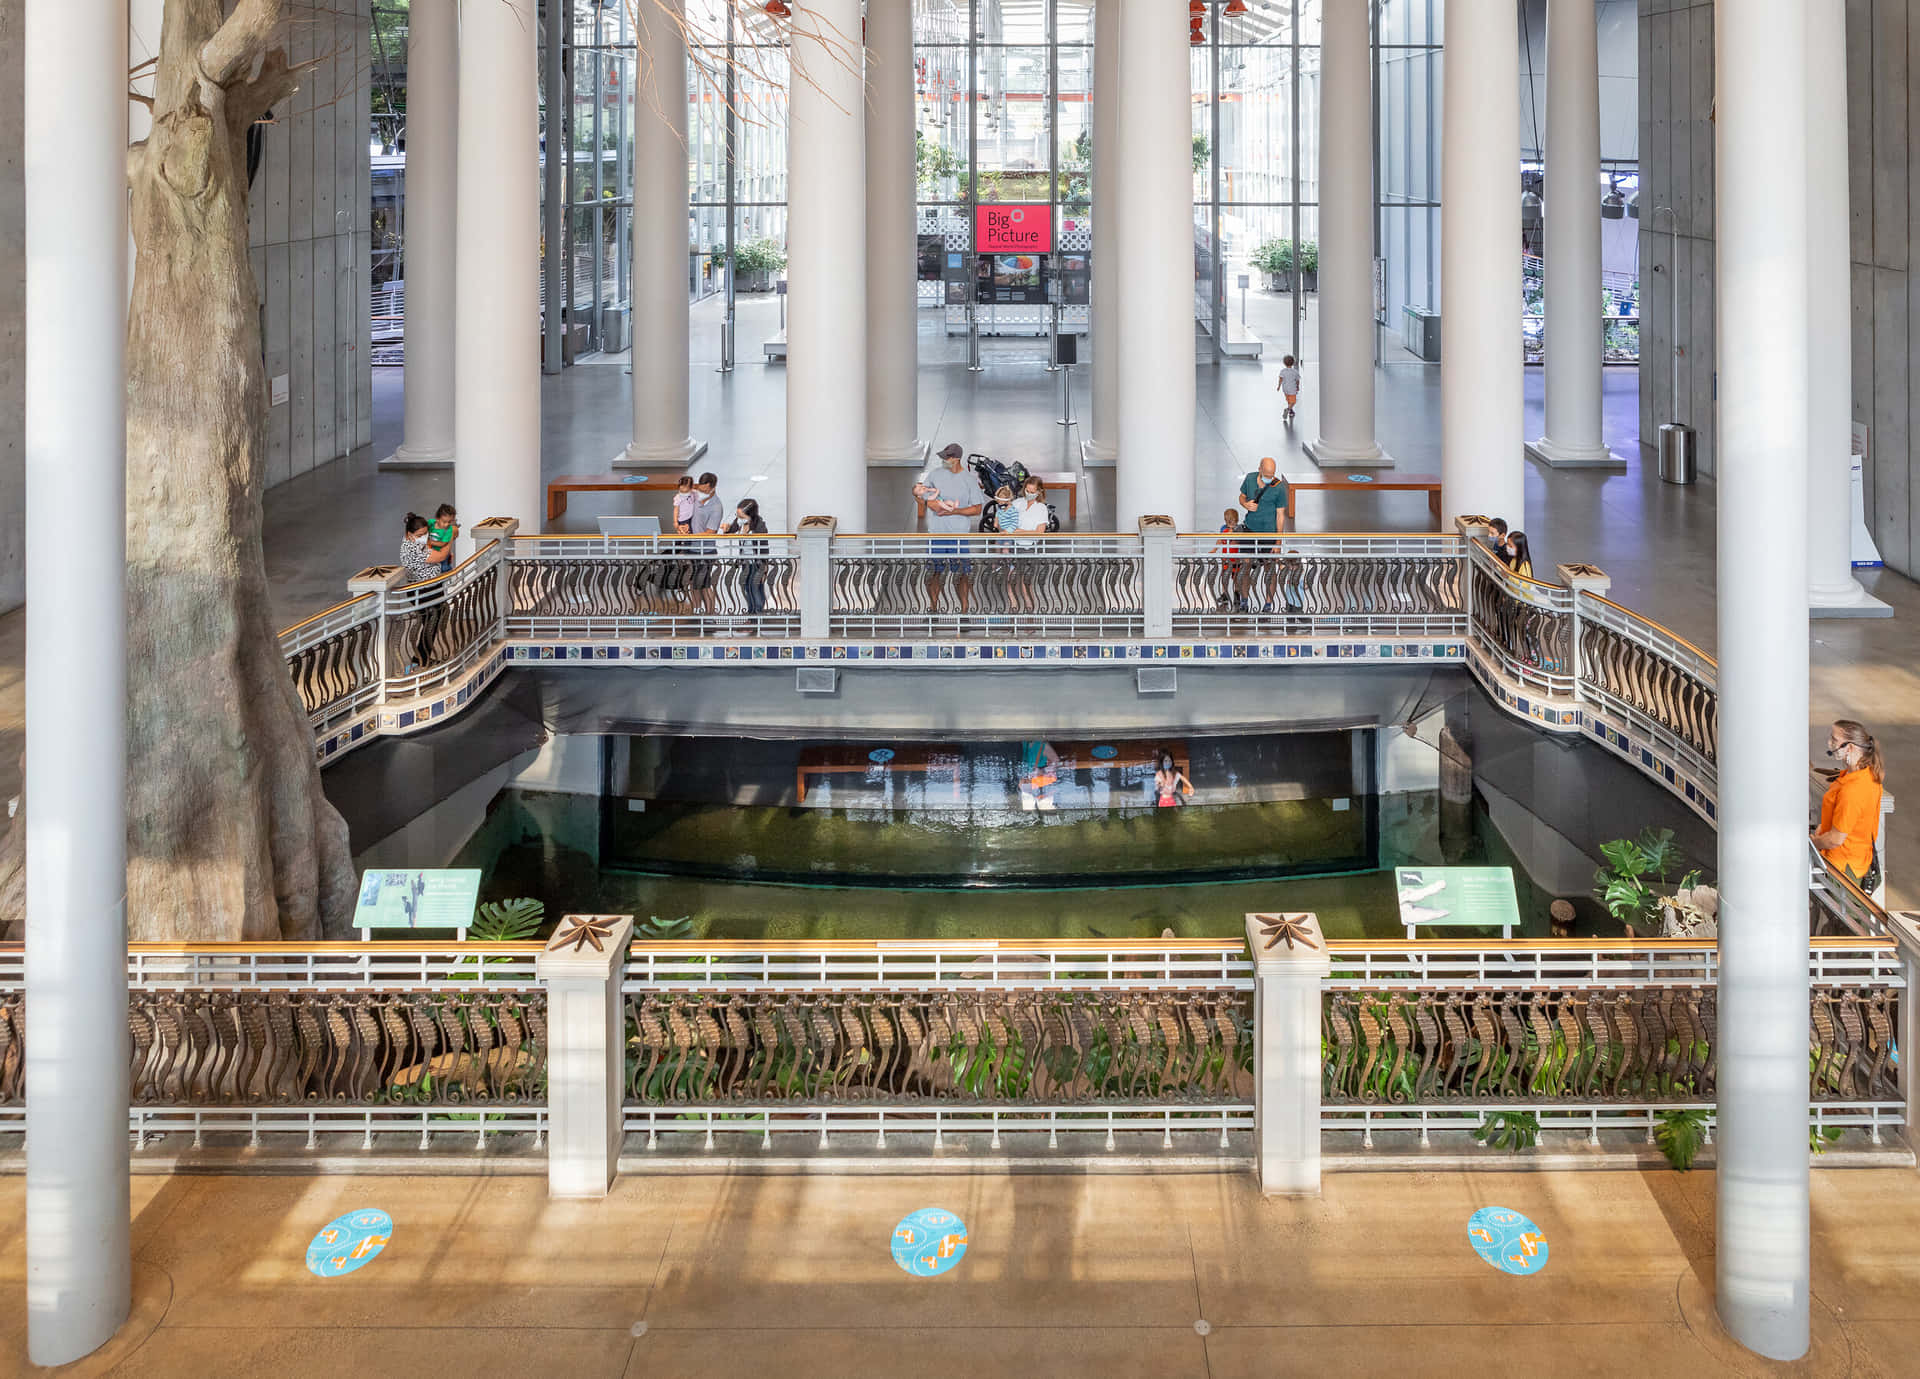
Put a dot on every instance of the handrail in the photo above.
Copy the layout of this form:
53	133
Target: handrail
1661	628
322	615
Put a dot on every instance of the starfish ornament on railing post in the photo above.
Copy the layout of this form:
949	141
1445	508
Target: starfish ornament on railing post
586	929
1285	928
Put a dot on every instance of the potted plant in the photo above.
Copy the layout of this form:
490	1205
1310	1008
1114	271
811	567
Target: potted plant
1274	258
755	263
1309	265
1634	888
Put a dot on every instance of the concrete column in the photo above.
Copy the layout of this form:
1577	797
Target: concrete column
1832	591
893	266
826	267
496	378
79	1266
660	369
1761	1187
1103	445
433	99
1290	962
1156	404
1346	239
1573	242
581	969
1481	443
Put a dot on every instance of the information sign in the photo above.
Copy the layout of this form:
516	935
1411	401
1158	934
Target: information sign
1012	229
1016	279
417	899
1457	896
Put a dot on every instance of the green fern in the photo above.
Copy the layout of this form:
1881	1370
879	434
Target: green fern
507	921
1510	1130
1680	1135
658	929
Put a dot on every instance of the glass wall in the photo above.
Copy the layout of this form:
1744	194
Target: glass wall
1409	70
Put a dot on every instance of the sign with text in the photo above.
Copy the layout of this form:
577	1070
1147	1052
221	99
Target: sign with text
417	899
1447	896
1013	229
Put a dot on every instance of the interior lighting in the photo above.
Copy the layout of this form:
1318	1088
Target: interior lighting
1197	37
1530	209
1196	8
778	9
1235	7
1613	206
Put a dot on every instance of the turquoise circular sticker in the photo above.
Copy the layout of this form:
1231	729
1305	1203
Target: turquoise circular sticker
1105	753
929	1242
880	755
1507	1240
347	1242
1359	478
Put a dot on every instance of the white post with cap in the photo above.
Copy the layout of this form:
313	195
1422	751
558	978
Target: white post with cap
1289	962
586	1052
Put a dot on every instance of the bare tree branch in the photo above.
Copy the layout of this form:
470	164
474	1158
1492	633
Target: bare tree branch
238	43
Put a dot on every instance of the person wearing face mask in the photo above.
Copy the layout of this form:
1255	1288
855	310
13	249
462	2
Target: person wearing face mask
419	556
1850	809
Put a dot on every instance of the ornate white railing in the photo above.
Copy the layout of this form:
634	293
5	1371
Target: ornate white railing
973	584
1246	584
642	588
436	630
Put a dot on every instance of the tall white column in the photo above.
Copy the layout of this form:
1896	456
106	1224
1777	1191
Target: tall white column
893	261
1573	241
660	369
1482	451
1760	144
1832	591
79	1267
433	96
1156	405
1346	238
496	377
826	268
1103	444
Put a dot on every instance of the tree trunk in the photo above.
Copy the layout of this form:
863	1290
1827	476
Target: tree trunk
229	835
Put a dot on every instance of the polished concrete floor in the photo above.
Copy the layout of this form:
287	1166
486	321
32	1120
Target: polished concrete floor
1656	541
1160	1277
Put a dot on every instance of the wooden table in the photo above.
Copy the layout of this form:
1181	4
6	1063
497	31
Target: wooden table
1385	481
558	490
1054	479
917	757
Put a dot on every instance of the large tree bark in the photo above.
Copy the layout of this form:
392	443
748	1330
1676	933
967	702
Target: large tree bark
229	833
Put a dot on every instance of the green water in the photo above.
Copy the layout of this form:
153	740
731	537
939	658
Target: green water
552	847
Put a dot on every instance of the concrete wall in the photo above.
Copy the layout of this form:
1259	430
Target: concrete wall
1676	169
309	232
13	305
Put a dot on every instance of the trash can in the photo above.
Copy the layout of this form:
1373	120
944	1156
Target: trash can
1679	453
1422	332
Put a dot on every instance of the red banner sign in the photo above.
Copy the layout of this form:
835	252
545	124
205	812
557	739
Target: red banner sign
1013	229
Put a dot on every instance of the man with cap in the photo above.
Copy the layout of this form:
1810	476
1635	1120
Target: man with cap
950	497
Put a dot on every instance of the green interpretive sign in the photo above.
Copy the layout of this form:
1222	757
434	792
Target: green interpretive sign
417	899
1449	897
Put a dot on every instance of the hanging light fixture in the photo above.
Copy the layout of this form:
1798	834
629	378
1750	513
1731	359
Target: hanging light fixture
1530	210
1613	206
1235	7
778	9
1633	204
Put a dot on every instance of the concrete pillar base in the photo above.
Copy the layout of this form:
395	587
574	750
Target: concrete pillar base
909	457
1556	456
1848	601
1329	456
677	456
409	457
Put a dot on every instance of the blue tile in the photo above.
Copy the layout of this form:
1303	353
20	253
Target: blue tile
406	718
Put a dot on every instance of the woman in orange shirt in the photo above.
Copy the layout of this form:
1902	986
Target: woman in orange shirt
1850	810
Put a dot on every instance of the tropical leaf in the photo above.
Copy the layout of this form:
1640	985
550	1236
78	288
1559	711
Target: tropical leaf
507	921
1680	1135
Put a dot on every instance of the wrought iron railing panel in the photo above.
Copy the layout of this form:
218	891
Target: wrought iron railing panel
1524	626
247	1048
1248	585
647	587
975	584
974	1048
334	660
435	630
13	1047
1660	682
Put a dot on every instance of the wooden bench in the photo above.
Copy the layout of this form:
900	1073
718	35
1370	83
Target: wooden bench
558	490
1054	479
848	759
1385	481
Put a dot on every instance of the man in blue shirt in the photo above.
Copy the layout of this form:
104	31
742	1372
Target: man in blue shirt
1264	497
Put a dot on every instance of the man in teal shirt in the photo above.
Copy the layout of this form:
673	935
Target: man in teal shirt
1264	496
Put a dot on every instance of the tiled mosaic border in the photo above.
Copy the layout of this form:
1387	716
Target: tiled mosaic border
397	720
1554	715
948	653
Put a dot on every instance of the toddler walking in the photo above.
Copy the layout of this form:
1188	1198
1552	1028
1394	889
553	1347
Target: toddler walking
1289	384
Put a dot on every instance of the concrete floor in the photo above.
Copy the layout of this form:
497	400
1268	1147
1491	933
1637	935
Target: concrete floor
1161	1277
1655	540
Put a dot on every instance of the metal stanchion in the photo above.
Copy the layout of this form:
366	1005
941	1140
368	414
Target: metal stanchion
973	342
1066	395
1053	338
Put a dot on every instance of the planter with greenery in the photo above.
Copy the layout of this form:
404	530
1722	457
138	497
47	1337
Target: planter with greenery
1274	258
1309	265
1634	888
755	263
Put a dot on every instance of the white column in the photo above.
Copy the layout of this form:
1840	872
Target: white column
826	268
496	377
1346	239
893	261
1156	404
1103	444
433	96
1286	1050
1832	591
586	1051
1573	241
1761	1186
79	1267
660	370
1482	451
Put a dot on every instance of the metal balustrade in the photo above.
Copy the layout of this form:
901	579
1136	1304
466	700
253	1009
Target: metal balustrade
436	629
334	660
632	588
976	584
1655	679
1523	625
1245	584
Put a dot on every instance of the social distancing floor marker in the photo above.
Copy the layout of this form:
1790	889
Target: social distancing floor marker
347	1242
1507	1240
929	1242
